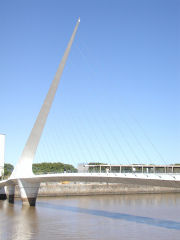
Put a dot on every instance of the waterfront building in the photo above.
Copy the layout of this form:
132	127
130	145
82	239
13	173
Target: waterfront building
2	147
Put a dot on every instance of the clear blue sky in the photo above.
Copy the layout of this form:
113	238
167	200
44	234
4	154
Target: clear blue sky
119	97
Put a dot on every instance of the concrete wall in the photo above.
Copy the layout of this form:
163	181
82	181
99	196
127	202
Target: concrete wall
78	189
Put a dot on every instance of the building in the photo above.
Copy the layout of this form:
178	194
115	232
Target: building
2	147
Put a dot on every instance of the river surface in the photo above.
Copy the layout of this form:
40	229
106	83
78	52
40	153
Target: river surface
141	216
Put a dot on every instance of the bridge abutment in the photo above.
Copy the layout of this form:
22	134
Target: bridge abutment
28	192
3	195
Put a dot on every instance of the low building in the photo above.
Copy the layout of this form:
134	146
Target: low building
2	147
131	168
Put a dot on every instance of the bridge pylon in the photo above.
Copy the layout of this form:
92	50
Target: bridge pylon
23	168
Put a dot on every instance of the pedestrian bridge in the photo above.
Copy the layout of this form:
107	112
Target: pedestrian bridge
163	180
29	186
29	183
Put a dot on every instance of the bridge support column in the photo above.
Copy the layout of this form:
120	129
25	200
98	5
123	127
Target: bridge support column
3	194
28	192
10	189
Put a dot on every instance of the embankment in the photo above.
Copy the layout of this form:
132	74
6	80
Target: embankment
78	189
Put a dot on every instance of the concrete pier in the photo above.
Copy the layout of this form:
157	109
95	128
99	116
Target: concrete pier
28	192
10	191
3	194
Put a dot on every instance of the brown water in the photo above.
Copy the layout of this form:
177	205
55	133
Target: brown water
148	216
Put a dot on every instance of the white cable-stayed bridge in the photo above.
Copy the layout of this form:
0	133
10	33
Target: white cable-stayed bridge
29	183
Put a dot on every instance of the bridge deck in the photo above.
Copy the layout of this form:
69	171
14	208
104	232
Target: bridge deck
163	180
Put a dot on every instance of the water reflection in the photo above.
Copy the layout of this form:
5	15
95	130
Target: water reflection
18	222
127	217
131	217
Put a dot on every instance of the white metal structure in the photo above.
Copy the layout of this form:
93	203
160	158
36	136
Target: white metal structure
2	150
29	183
23	168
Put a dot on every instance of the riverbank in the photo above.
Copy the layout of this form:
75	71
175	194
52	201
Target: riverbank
79	189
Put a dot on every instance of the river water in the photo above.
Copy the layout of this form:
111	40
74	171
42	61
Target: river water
141	216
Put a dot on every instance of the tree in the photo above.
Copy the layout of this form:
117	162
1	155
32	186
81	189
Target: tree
47	167
8	168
